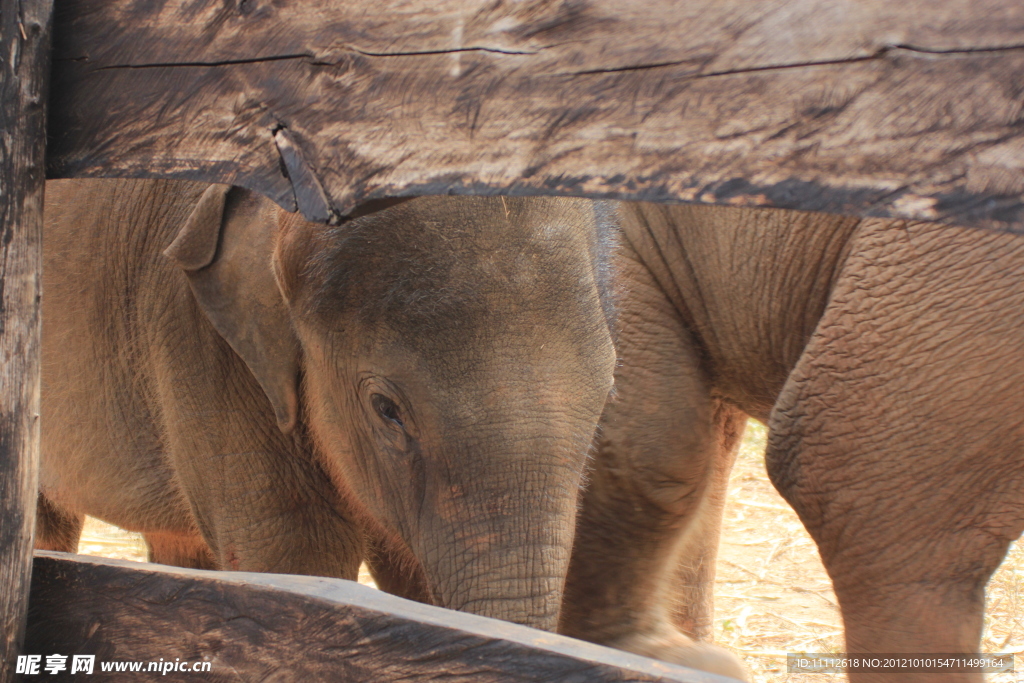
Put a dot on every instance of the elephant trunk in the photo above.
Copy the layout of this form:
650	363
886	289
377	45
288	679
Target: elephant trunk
509	577
506	538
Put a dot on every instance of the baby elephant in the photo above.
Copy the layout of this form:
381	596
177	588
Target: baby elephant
255	392
887	359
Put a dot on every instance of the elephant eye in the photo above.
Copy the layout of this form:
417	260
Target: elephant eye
387	409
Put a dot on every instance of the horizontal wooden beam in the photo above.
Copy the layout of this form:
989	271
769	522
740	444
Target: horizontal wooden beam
910	108
256	627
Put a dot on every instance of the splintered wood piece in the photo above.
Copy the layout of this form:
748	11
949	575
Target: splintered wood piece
24	78
258	627
907	109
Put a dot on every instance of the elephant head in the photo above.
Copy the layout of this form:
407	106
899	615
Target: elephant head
450	358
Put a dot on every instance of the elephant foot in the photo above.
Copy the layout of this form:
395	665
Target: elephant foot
671	646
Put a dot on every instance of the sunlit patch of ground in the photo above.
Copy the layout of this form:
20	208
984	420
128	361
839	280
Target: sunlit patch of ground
105	540
772	594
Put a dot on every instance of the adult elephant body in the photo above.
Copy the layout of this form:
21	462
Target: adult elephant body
887	359
274	395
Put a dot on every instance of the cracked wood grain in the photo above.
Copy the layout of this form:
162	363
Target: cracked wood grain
254	627
24	77
880	53
310	58
909	109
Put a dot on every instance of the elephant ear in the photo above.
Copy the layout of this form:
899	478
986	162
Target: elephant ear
226	248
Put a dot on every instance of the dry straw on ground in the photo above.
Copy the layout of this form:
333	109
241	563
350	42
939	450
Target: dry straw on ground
772	594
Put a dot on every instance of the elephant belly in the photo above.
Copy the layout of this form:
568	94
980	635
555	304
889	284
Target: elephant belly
101	453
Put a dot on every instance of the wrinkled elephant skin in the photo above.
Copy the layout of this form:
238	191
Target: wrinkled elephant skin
886	358
255	392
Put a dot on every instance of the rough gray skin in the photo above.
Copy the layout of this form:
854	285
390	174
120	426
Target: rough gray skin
887	359
274	395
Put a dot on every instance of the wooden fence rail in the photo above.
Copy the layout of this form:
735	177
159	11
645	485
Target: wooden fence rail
265	627
909	109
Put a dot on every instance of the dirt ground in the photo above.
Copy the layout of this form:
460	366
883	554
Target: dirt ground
772	594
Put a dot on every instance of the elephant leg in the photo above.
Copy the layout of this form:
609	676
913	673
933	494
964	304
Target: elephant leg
395	574
692	589
179	550
56	528
258	498
267	510
899	438
651	495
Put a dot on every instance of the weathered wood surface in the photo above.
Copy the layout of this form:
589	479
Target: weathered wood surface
25	53
266	627
873	107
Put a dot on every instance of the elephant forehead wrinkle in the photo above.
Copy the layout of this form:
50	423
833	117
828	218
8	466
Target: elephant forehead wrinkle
519	434
444	280
556	371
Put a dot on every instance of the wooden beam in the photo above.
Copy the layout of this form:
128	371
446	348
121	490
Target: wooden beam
25	53
255	627
868	107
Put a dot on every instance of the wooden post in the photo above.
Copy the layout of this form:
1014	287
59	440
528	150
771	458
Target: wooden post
25	53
